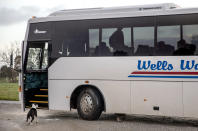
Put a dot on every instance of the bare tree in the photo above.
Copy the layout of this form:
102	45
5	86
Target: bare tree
12	50
10	57
17	62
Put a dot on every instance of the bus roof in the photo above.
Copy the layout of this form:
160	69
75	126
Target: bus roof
116	12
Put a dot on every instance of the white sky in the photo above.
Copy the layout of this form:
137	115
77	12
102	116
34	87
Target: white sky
14	29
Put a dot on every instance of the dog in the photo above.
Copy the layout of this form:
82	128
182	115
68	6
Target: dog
32	113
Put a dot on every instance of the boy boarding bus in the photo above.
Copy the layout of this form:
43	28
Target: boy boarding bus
131	60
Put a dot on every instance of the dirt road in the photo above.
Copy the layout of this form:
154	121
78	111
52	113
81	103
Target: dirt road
13	119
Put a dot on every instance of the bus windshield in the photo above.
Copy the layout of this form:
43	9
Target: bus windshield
37	56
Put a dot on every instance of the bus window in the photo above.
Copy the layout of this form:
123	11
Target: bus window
93	41
45	57
37	57
106	34
143	41
117	40
167	40
33	61
74	43
190	35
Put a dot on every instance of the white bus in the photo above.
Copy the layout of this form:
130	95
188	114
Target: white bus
131	60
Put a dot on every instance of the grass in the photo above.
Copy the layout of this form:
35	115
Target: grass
9	91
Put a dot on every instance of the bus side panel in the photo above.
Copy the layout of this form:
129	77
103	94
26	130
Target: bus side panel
60	92
190	99
117	101
157	98
117	95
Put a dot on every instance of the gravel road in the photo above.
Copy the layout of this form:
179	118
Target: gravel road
13	119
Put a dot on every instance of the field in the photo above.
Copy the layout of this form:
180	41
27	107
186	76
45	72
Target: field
9	91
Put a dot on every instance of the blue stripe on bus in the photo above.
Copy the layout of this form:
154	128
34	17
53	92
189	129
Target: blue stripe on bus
137	76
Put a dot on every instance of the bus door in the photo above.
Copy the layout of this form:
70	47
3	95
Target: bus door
36	74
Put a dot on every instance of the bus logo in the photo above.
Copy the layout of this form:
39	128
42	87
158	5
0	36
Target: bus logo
36	31
163	69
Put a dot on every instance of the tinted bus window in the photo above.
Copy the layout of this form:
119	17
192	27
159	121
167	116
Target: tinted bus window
190	35
106	34
117	40
168	38
93	41
70	39
143	41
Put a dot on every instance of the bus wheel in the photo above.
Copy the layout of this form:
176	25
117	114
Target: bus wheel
89	104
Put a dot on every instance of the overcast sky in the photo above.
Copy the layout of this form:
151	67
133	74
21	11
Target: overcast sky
15	13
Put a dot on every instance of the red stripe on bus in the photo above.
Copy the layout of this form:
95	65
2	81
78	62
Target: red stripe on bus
174	73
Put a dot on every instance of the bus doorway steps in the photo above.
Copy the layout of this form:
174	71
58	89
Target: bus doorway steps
40	97
43	89
43	102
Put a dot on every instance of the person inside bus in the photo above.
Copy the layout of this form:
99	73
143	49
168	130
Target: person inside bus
164	49
144	50
185	48
102	50
181	43
116	41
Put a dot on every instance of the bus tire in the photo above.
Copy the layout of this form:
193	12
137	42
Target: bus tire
89	104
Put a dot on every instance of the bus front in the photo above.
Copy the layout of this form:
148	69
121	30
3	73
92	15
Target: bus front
35	61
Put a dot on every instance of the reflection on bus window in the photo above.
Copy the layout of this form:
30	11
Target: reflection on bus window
167	39
74	43
45	57
93	41
33	61
106	34
143	41
190	35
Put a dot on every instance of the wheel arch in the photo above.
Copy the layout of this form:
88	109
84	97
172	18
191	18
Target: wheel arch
78	89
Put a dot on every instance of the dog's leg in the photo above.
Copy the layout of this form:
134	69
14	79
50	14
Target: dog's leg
36	119
28	121
32	120
28	117
36	116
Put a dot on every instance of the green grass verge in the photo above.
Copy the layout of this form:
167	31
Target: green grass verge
9	91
